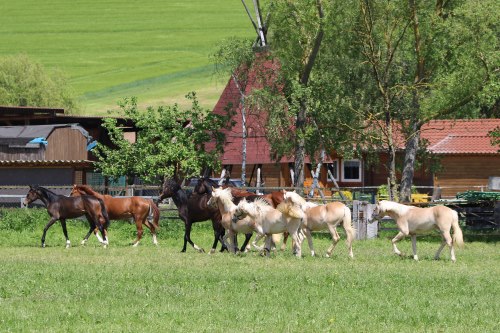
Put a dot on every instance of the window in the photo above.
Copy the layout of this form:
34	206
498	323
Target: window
351	171
332	170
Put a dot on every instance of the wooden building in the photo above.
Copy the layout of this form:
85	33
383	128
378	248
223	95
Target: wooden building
463	147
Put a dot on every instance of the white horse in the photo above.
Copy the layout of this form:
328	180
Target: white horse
223	199
415	220
320	217
268	220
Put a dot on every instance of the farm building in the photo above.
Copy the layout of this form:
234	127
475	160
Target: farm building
60	158
463	147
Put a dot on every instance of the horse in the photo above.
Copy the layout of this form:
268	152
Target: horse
223	199
206	185
268	220
193	208
142	211
61	208
320	217
416	220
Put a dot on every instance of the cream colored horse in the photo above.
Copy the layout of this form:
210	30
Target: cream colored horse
321	217
415	220
223	199
268	220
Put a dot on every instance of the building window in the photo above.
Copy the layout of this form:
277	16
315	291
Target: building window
351	171
332	170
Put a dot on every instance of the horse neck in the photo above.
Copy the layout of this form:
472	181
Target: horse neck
48	196
89	191
179	197
226	203
395	210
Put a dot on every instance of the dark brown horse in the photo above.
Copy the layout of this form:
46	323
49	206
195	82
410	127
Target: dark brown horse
141	210
61	208
193	208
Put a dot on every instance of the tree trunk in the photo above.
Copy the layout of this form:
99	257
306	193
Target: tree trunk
409	164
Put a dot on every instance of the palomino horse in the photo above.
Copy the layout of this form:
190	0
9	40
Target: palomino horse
61	208
193	208
142	211
268	220
415	220
223	199
320	217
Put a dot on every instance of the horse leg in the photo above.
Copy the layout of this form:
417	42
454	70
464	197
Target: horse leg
258	238
267	245
245	243
285	238
187	238
138	225
51	222
438	253
396	239
414	246
335	240
307	232
65	231
152	229
297	244
448	240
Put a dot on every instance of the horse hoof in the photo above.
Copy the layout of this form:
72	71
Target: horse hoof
43	245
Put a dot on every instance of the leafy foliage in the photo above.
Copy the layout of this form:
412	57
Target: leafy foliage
169	142
24	82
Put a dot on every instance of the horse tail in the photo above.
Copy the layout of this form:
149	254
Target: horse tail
458	238
154	214
347	224
104	213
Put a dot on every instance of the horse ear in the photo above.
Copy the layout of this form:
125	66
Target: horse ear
283	191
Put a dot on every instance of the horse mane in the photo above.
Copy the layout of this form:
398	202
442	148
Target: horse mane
395	207
296	198
48	193
225	195
310	204
85	188
257	207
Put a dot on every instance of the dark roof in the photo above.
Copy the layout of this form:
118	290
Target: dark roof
42	163
22	135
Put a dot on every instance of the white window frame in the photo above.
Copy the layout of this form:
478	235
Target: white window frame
336	175
360	171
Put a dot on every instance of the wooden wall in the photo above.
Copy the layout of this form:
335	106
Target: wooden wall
25	154
66	144
465	172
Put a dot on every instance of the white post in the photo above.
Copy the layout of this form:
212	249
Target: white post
258	179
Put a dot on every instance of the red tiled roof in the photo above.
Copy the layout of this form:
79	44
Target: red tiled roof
464	136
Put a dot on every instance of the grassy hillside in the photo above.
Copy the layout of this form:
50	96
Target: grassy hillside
156	50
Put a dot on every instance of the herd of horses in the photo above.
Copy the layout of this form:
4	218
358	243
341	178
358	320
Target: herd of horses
236	211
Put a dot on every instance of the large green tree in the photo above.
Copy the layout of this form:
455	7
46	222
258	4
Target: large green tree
25	82
382	68
170	141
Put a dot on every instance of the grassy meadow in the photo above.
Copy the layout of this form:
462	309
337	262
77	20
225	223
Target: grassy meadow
156	50
148	288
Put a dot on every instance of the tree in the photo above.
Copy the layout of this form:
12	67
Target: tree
170	142
24	82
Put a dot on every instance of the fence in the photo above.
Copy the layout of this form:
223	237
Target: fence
361	201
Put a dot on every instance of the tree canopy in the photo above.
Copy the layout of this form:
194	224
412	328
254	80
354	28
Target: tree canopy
170	142
24	82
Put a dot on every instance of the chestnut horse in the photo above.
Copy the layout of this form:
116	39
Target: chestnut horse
416	220
61	208
141	210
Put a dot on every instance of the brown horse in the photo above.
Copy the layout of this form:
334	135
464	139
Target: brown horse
61	208
141	210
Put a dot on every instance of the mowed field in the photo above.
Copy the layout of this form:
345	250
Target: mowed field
148	288
156	50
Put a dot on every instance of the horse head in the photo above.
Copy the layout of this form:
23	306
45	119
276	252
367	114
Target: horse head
170	187
242	210
33	194
205	185
381	209
75	191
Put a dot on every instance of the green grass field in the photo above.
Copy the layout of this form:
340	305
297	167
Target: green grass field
144	289
155	50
